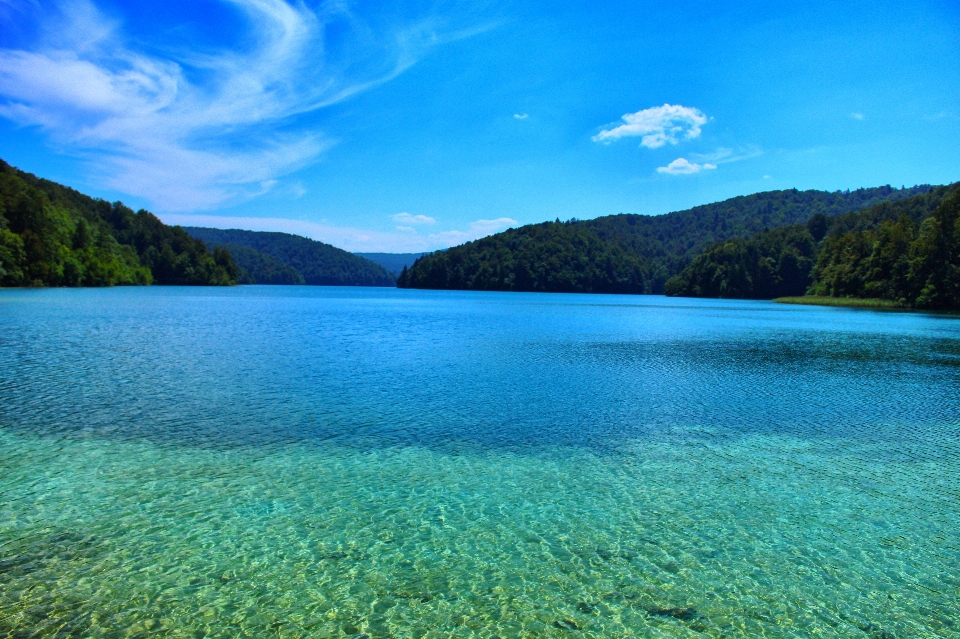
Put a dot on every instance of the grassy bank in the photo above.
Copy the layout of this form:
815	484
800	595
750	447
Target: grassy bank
852	302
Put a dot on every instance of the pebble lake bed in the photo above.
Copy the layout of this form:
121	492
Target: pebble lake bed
343	462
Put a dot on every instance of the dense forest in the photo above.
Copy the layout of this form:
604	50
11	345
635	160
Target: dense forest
282	258
625	253
52	235
772	263
907	252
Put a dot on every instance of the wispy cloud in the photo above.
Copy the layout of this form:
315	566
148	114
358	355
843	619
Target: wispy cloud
476	230
856	116
521	116
727	156
682	166
657	126
406	218
164	125
407	240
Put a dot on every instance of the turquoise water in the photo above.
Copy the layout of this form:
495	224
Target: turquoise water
329	462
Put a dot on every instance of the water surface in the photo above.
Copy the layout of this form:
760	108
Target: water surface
332	462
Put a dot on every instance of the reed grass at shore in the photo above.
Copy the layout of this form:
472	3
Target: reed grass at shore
852	302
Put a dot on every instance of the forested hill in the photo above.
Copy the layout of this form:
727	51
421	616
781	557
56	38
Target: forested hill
52	235
906	252
282	258
624	253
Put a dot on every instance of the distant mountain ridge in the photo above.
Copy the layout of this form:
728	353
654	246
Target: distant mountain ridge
393	262
282	258
625	253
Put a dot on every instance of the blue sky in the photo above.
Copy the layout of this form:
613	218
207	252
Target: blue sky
410	126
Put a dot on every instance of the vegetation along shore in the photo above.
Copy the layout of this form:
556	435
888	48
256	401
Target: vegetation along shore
883	247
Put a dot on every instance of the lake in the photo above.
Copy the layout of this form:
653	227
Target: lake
336	462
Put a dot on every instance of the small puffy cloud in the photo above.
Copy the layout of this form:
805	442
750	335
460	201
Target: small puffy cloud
682	166
407	219
521	116
657	126
856	116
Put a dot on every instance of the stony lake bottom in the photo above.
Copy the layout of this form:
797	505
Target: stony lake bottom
333	462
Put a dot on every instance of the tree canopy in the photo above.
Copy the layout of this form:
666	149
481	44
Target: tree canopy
52	235
282	258
625	253
907	252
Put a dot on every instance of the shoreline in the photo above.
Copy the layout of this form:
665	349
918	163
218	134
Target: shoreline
847	302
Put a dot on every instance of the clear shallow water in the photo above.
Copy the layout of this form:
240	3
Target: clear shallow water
312	462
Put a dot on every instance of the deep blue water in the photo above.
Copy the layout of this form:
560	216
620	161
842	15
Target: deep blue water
313	461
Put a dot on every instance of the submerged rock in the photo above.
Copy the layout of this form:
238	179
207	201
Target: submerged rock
683	614
566	624
875	631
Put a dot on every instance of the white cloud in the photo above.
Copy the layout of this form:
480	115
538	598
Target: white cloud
657	126
856	116
682	166
406	240
521	116
406	218
165	125
726	156
476	230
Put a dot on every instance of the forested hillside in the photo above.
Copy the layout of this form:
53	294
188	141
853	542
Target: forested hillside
307	261
52	235
907	252
772	263
256	267
624	253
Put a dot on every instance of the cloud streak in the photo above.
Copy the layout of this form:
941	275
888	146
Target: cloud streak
682	166
165	126
657	126
406	218
407	240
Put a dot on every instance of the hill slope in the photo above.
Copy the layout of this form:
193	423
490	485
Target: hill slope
865	253
257	267
316	263
624	253
52	235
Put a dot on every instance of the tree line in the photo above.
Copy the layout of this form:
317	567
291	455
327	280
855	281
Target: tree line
626	253
52	235
907	252
267	257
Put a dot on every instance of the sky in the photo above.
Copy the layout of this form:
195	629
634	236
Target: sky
416	125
